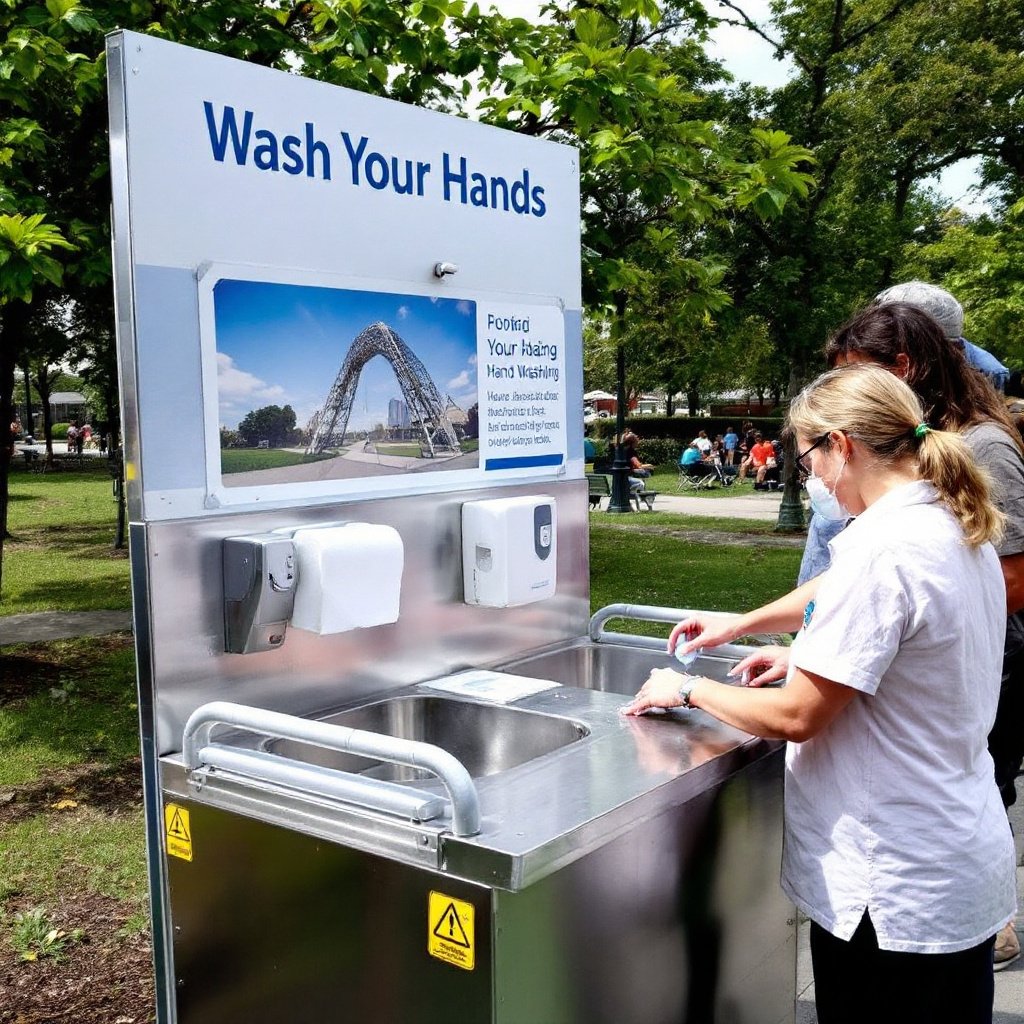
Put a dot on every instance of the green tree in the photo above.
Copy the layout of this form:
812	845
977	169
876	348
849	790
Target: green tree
886	93
45	85
271	424
616	79
979	261
54	192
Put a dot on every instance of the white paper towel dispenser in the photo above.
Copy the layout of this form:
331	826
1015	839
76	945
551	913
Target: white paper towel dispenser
325	579
509	551
350	577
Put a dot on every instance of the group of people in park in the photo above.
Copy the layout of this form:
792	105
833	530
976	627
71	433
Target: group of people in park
902	694
703	457
758	456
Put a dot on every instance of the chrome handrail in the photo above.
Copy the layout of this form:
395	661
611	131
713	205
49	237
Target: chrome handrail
654	613
413	754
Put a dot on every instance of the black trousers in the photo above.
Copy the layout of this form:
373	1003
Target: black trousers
855	982
1006	740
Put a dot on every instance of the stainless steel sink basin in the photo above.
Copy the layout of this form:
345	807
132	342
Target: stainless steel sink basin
486	738
610	667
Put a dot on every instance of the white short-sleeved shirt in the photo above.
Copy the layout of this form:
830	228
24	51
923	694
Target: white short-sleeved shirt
893	807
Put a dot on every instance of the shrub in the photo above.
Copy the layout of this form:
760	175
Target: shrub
683	429
59	431
659	451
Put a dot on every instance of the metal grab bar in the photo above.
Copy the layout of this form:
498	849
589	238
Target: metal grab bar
411	753
653	613
375	794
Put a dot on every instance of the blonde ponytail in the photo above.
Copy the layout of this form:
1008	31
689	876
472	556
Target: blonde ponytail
945	460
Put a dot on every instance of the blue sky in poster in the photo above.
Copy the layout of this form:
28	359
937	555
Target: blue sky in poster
283	344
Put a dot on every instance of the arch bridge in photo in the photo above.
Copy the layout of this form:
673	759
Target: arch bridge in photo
427	410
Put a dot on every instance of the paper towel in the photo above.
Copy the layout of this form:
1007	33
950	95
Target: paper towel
348	577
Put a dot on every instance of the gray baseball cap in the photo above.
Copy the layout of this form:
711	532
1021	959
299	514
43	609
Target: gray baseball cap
932	299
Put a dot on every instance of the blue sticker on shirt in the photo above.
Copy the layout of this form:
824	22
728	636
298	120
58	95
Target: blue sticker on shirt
808	612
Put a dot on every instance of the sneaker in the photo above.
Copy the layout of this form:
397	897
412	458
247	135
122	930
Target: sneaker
1007	948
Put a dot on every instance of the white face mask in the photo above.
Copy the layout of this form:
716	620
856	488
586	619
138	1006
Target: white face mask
823	501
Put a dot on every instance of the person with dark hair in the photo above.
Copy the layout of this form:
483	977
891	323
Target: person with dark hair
950	317
909	342
636	467
757	459
897	846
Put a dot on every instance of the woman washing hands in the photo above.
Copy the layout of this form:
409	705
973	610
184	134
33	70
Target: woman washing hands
897	846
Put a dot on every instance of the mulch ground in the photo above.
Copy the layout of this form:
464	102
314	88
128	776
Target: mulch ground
105	978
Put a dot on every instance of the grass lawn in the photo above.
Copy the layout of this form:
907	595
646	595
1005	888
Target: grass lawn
244	460
659	522
65	703
72	846
60	555
645	567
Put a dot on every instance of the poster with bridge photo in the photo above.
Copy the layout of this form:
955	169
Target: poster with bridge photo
330	384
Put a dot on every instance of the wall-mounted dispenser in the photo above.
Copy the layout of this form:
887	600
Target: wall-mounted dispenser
508	550
259	591
350	577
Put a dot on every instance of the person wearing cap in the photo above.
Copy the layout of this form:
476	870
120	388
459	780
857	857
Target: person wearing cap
950	316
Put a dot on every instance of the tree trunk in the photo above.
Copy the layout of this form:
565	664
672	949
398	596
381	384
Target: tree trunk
13	321
29	423
44	389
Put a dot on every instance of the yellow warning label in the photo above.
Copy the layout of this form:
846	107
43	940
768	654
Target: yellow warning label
450	931
179	832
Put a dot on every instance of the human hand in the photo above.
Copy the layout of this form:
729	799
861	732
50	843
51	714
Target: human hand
765	665
696	632
660	691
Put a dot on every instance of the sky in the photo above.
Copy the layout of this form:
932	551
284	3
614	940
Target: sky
749	58
283	344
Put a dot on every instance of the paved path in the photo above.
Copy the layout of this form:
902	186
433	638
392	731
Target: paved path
36	627
752	505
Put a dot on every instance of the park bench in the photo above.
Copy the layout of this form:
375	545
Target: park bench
600	486
647	497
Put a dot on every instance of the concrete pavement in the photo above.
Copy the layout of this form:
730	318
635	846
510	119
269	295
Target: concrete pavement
748	505
38	627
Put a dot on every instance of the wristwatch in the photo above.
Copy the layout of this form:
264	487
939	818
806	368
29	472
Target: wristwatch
684	691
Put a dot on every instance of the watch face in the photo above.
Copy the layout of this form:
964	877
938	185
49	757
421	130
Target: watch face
684	690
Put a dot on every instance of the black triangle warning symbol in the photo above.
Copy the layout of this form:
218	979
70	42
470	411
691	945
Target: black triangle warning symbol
176	828
450	928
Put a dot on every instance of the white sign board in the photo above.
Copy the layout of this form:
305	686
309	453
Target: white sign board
333	295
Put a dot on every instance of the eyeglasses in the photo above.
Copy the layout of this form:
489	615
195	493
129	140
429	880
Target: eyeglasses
800	458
